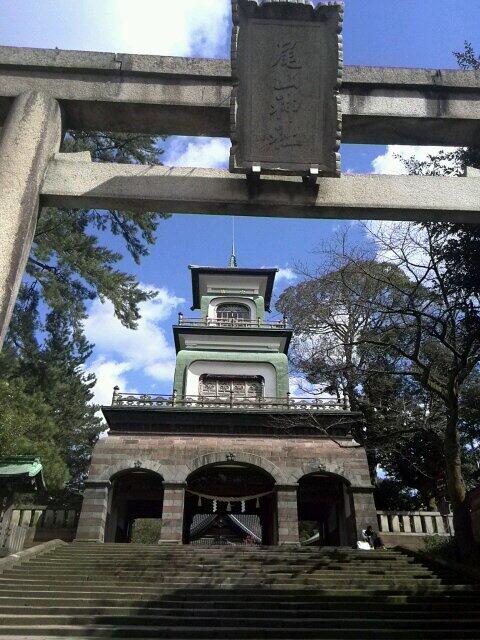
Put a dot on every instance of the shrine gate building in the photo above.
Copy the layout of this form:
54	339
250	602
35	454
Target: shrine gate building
230	457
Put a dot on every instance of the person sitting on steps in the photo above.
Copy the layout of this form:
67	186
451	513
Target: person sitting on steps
373	538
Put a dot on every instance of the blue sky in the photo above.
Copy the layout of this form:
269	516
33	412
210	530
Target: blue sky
408	33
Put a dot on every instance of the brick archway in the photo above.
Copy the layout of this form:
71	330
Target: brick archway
236	456
130	464
234	474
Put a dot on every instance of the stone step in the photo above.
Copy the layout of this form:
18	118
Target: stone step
241	560
379	632
149	573
74	614
422	605
324	562
255	560
236	581
240	592
236	552
257	556
119	547
150	591
247	599
234	623
236	568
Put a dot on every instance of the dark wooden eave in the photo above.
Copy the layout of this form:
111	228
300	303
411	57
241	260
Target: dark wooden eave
215	421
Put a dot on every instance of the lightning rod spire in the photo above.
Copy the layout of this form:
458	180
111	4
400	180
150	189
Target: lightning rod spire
233	257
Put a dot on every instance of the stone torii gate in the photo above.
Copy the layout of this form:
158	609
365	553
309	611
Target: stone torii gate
44	92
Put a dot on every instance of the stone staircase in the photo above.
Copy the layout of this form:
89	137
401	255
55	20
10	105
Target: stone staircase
145	591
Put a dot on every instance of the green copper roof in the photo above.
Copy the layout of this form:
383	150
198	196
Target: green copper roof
20	466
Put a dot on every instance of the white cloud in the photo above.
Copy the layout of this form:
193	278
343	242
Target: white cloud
121	351
109	374
198	152
384	233
286	273
301	388
389	164
173	27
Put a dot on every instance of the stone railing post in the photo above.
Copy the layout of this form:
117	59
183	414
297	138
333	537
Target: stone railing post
172	513
93	517
29	138
116	390
383	524
363	508
287	514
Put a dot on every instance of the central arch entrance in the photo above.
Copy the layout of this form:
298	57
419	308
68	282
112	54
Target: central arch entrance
230	503
325	514
135	494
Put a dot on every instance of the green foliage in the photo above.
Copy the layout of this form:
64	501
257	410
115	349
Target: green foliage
467	59
56	391
28	427
146	530
67	265
392	494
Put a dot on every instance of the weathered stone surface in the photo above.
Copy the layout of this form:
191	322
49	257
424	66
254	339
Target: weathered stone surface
212	191
287	515
189	96
287	61
29	138
172	517
93	517
175	457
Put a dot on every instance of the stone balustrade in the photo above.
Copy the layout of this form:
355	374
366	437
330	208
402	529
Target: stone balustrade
421	523
36	524
44	518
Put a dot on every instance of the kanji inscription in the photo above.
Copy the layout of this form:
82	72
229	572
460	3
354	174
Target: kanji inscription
284	130
286	68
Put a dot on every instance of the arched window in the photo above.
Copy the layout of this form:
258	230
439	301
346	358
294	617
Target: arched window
233	313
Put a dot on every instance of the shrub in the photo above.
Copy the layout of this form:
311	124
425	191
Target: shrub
146	530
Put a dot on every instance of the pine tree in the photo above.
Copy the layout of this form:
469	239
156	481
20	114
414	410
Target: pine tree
49	378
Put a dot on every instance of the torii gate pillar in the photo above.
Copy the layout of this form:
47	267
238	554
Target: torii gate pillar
29	138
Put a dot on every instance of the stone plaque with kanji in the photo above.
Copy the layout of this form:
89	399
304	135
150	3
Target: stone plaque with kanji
286	67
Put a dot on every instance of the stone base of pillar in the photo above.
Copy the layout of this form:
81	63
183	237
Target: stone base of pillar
172	513
93	517
287	515
364	510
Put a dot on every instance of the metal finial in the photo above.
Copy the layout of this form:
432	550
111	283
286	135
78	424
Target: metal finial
233	257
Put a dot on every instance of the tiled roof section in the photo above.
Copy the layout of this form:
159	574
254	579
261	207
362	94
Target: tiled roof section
20	465
26	470
201	522
248	523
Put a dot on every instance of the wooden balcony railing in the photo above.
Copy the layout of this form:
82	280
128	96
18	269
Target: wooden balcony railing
230	323
287	403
